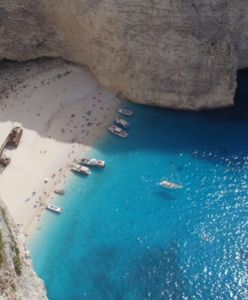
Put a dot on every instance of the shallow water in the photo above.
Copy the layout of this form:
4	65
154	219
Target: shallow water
122	236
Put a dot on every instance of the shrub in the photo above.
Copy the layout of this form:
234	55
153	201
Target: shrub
17	264
1	249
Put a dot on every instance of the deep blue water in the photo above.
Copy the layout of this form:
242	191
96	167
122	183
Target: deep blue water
122	236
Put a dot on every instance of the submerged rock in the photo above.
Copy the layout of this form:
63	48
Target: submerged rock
179	54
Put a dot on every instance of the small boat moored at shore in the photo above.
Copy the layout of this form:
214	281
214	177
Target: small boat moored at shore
80	169
54	208
170	185
117	131
93	162
121	122
125	112
59	192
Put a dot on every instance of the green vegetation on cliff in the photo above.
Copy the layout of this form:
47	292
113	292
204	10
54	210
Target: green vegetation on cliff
16	257
1	249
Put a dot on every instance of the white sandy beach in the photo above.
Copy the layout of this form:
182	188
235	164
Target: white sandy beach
62	110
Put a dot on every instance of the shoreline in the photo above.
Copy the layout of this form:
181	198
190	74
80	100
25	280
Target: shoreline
63	111
62	180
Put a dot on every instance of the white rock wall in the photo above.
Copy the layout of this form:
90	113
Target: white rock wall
178	54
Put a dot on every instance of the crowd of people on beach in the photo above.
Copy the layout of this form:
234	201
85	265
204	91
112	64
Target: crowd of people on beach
52	121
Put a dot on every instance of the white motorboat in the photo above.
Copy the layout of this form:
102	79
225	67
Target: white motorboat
121	122
125	112
170	185
54	208
117	131
80	169
93	162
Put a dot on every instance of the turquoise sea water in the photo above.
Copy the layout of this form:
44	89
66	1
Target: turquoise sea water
122	236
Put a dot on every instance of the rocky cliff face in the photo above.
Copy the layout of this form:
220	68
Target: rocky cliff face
179	54
17	278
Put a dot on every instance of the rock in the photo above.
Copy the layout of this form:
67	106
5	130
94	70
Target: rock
18	281
178	54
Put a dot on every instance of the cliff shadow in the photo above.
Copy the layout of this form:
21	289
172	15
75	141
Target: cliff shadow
214	135
241	94
54	98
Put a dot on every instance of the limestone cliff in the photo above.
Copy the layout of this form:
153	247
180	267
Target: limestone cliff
180	54
17	278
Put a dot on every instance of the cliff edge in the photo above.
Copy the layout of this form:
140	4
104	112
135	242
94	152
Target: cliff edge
18	281
178	54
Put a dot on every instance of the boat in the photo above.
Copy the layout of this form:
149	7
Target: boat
117	131
93	162
54	208
59	192
14	136
170	185
4	161
125	112
122	123
80	169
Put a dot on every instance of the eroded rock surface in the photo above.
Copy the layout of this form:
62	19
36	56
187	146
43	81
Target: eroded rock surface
179	54
18	281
